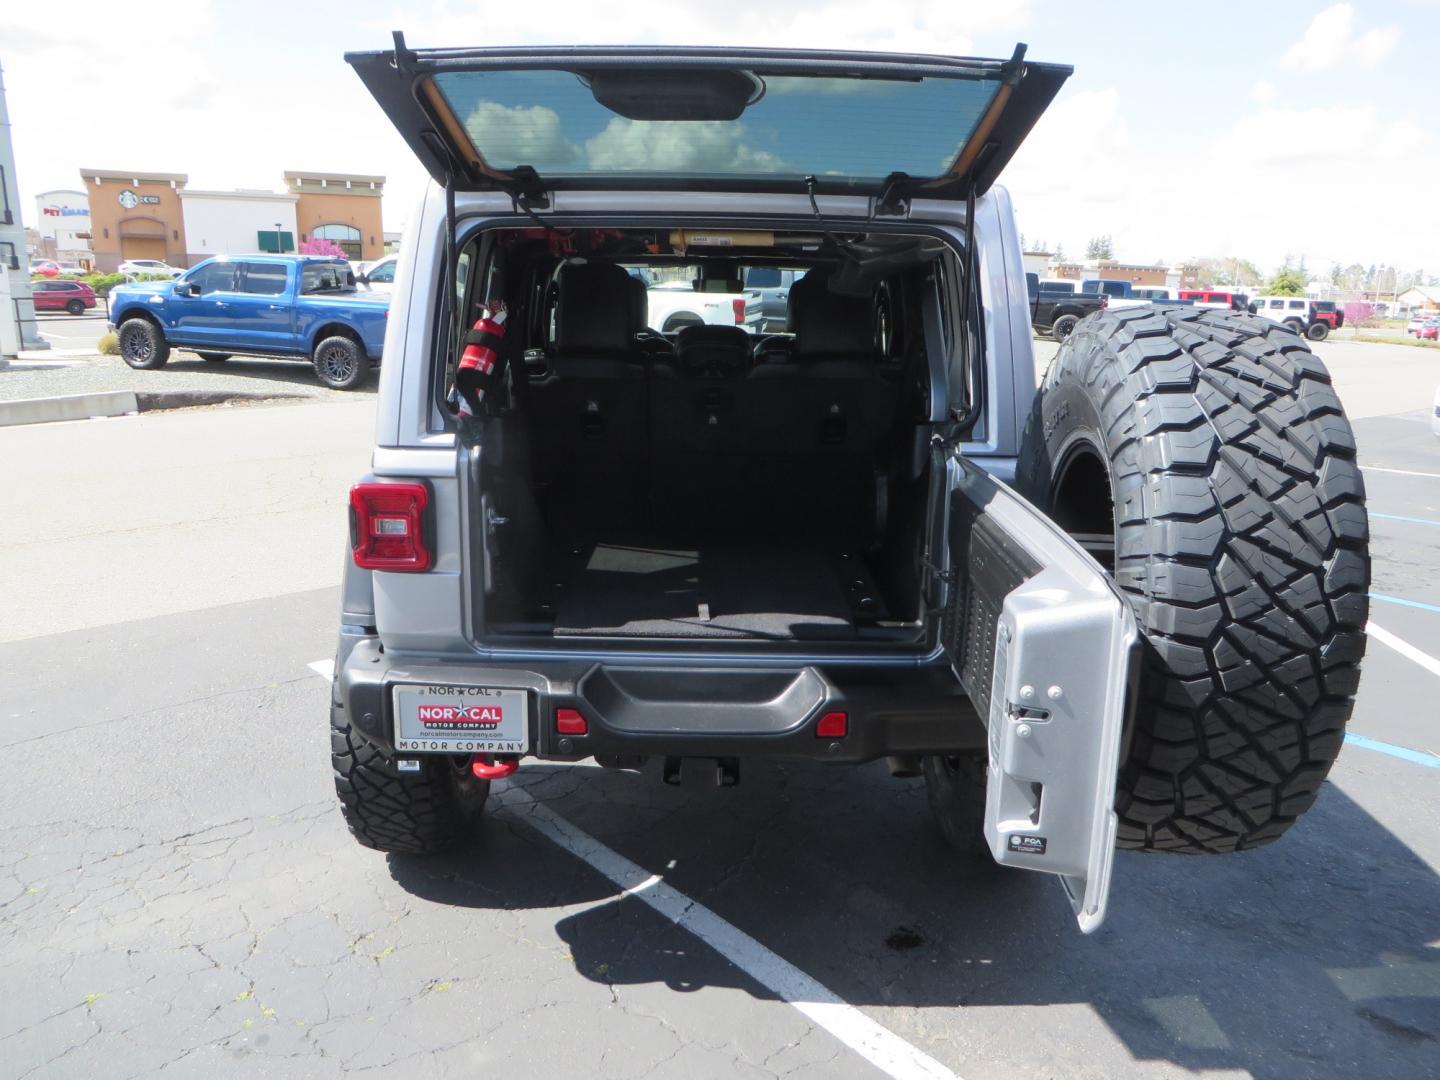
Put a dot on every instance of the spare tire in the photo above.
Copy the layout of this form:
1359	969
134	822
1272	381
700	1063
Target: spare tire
1205	457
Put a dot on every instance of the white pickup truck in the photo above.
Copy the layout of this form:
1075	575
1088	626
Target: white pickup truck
674	305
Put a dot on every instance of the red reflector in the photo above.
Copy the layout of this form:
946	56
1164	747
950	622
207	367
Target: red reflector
833	725
570	722
389	526
739	312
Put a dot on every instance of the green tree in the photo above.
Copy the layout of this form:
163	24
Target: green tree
1059	252
1100	247
1287	281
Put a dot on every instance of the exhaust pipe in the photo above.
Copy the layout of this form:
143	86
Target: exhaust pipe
903	766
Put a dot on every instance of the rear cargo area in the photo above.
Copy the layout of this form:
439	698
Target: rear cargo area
709	485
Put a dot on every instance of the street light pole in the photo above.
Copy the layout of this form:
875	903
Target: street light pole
279	243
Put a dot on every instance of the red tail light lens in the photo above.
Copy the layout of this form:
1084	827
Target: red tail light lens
388	527
739	312
833	725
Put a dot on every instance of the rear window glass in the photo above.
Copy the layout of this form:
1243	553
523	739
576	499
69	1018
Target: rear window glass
264	279
793	126
326	277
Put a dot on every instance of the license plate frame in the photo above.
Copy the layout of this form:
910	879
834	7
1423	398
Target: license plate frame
443	718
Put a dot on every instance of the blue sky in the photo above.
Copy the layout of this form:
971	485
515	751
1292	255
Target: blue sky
1288	127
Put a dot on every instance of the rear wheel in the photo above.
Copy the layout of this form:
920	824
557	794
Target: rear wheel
340	363
1295	326
1318	331
679	322
142	345
408	813
213	357
1063	326
955	789
75	307
1205	457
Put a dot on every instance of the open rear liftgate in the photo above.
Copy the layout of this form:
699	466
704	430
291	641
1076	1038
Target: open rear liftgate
1045	646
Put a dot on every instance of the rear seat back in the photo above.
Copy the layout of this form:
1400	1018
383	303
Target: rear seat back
815	425
590	409
698	430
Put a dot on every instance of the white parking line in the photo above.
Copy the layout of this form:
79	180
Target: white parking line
1403	647
1399	472
877	1044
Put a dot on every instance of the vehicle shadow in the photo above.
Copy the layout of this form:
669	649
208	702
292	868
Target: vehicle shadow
1314	956
299	372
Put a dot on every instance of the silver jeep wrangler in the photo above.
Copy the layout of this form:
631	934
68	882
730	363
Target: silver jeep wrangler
1124	610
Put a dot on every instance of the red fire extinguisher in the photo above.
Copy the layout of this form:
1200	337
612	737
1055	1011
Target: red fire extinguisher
478	361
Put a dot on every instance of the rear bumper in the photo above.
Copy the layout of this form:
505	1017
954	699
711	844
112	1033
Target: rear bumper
735	711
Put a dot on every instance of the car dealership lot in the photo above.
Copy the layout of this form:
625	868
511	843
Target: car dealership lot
178	890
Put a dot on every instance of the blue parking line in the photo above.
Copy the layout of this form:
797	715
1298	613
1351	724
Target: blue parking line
1402	517
1416	757
1405	603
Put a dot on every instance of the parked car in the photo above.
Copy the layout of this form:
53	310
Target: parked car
44	268
300	306
1300	314
855	582
1429	330
1217	299
1124	295
133	268
773	285
1056	313
70	269
1417	322
378	276
73	297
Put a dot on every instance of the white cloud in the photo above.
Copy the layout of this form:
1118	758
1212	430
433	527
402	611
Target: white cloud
1330	41
674	146
1264	92
1330	183
520	136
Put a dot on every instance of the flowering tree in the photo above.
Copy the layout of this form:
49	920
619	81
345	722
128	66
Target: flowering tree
321	247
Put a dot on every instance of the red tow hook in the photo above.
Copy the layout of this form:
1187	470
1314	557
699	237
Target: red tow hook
486	767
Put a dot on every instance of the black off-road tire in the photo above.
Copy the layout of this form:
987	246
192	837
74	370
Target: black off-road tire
142	345
340	363
1064	326
409	813
213	357
1241	541
955	790
1318	331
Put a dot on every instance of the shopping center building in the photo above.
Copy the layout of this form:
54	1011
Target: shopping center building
136	215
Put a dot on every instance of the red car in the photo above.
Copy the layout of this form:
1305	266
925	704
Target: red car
44	268
1429	330
76	297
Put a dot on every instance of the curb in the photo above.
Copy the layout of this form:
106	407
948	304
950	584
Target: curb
119	403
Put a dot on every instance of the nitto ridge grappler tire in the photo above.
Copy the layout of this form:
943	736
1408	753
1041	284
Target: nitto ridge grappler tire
142	345
407	813
1238	532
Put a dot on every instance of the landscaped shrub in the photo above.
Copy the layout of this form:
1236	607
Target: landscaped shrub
109	344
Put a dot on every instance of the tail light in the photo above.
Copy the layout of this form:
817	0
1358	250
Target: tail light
739	304
387	526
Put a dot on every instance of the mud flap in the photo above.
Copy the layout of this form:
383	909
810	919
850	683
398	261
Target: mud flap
1045	646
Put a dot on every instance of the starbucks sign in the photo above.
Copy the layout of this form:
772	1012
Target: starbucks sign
129	200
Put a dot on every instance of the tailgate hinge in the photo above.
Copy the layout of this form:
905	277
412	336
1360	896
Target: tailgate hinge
892	200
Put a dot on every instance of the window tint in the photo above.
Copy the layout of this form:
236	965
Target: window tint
383	272
1277	303
1297	305
325	277
215	277
264	279
42	286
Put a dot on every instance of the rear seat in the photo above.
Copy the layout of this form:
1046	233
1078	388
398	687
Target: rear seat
814	425
590	410
697	430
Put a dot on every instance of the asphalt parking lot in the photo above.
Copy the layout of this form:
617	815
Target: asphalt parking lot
180	897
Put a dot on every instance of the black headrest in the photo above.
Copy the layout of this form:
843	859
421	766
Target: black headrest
713	350
642	302
597	310
827	324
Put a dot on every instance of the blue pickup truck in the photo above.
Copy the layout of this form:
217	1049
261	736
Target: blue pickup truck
265	305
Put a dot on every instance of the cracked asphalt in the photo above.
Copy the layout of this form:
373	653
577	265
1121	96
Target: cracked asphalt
179	896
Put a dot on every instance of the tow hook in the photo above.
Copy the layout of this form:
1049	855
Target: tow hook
486	767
